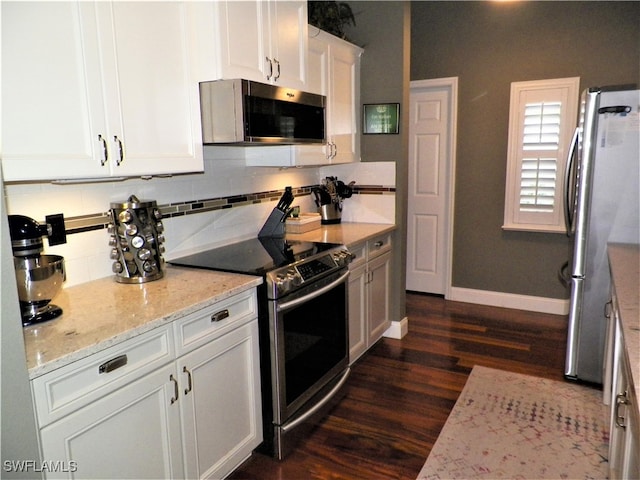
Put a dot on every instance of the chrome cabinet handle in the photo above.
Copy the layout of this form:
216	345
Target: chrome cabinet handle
621	399
121	150
105	151
270	76
114	363
221	315
378	244
188	389
278	69
176	391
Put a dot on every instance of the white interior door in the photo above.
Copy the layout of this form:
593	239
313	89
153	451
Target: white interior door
430	185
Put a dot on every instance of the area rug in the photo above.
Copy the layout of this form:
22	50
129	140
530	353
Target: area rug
509	425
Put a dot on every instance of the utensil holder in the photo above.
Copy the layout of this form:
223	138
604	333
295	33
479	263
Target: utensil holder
330	213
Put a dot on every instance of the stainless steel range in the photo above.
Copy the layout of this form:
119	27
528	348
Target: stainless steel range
303	324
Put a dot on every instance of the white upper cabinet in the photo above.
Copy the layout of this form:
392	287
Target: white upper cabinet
94	90
264	41
334	71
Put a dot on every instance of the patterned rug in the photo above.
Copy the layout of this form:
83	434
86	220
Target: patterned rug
509	425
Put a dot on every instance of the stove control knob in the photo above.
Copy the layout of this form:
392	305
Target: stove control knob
294	277
283	283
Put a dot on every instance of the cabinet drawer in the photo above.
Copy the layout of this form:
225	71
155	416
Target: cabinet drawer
379	245
209	323
66	389
359	252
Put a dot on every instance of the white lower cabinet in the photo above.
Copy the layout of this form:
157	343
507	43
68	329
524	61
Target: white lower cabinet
221	418
368	294
132	433
140	410
624	437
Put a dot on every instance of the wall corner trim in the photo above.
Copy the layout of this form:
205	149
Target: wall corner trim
398	329
554	306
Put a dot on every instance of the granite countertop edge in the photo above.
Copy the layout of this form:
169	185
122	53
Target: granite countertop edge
81	332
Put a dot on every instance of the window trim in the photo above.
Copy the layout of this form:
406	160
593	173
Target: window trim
567	91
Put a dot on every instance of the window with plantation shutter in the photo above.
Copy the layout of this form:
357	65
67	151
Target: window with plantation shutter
542	118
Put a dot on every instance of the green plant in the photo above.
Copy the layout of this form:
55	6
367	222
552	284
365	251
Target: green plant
331	17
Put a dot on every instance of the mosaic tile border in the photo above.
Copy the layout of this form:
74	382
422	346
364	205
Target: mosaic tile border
99	221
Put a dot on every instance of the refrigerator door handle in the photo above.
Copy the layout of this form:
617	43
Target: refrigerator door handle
568	202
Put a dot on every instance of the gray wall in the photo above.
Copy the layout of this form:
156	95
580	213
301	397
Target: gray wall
383	30
488	45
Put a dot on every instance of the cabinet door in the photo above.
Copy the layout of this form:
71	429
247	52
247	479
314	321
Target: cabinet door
318	64
50	103
379	271
243	46
344	102
132	433
288	38
357	312
152	101
220	403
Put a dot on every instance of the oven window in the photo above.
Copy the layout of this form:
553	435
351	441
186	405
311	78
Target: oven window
315	339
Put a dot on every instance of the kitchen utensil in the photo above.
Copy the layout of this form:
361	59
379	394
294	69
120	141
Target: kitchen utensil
137	237
39	277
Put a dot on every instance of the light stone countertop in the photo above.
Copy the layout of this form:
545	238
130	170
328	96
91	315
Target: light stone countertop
345	233
101	313
624	260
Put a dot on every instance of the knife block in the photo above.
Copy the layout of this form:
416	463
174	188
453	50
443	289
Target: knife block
274	226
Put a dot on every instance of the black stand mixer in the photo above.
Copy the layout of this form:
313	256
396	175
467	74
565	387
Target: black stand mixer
39	277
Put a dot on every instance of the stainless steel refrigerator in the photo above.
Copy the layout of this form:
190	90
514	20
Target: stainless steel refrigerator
602	202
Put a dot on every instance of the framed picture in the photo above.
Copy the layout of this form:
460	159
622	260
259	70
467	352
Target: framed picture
381	118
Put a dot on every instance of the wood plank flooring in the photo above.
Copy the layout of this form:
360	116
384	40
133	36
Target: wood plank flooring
400	392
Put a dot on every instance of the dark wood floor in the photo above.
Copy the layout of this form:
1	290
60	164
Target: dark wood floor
400	393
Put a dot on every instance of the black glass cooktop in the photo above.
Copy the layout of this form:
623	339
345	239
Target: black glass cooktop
256	256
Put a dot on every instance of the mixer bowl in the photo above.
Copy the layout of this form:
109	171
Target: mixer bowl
39	279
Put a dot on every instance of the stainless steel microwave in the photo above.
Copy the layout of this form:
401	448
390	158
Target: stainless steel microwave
243	112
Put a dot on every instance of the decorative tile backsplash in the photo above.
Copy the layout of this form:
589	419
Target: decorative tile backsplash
199	210
97	221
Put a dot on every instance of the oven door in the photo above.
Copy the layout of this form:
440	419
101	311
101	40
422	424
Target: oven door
310	339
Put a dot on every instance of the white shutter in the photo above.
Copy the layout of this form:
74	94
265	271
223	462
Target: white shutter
542	118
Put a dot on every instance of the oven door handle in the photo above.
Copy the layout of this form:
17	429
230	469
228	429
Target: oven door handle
290	426
285	305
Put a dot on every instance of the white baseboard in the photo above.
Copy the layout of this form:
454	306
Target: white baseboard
510	300
397	329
